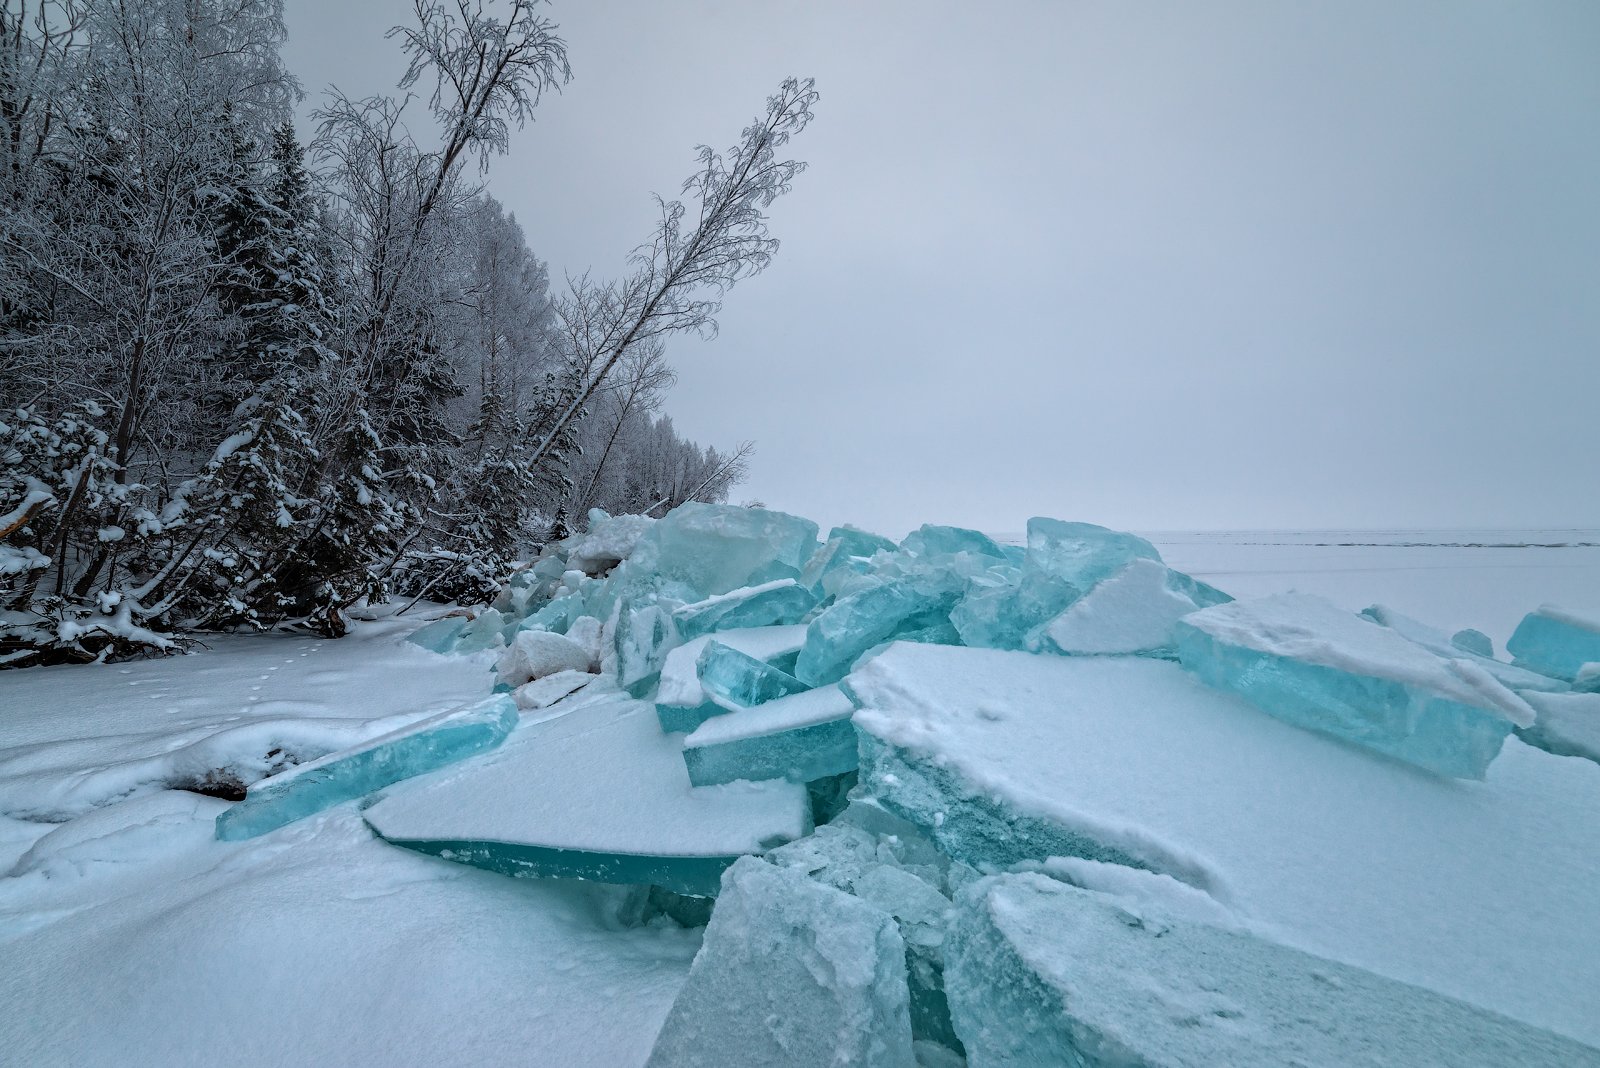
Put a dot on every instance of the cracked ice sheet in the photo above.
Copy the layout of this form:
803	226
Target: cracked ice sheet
1483	891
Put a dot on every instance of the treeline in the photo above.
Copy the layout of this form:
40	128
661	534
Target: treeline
246	379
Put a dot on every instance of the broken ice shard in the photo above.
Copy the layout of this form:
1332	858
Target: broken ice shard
440	635
730	677
770	604
682	703
715	548
1472	641
846	547
849	627
791	972
1039	972
1130	612
800	737
1081	554
485	631
1556	642
350	773
930	540
1310	663
645	636
597	793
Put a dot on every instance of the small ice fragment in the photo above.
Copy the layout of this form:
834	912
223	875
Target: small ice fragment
440	635
1473	641
1568	724
801	737
791	972
1587	680
644	637
358	771
682	703
731	677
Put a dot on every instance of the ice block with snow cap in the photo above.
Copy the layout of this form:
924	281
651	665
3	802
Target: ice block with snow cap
800	737
1556	641
1040	972
778	603
792	973
1306	661
347	774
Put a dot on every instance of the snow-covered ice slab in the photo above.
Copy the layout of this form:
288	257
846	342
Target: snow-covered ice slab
1451	646
682	703
1556	642
351	773
1131	612
1481	890
599	793
778	603
1312	664
791	973
1042	973
1568	724
802	737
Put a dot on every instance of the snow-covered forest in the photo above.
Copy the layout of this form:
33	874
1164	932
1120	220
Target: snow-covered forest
252	373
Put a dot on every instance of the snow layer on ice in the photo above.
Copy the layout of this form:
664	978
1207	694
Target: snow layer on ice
1568	724
784	714
1044	973
1436	641
802	737
533	654
791	973
600	779
1482	891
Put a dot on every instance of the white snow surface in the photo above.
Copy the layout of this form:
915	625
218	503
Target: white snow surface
129	936
680	676
602	778
1436	641
1304	627
611	541
1571	617
774	717
1129	612
1484	891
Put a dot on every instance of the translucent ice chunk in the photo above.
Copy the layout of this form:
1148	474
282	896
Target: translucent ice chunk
931	540
714	548
777	603
791	972
1081	554
682	703
849	627
1040	972
598	793
356	772
737	679
440	635
1568	724
1473	641
533	654
1587	680
485	631
1130	612
644	637
1304	660
1436	641
1556	642
800	737
846	547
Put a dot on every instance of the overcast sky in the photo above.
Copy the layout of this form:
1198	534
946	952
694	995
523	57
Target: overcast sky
1158	266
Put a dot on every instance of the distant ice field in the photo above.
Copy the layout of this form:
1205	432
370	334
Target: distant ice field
1485	579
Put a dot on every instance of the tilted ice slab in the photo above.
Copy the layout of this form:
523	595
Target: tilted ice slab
599	793
1556	641
351	773
1132	611
1436	641
737	680
682	703
1312	664
1568	724
802	737
791	973
778	603
1480	890
1040	973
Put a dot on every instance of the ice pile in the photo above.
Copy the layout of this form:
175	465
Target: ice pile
944	786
